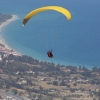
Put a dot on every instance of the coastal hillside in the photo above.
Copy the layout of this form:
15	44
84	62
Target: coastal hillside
29	77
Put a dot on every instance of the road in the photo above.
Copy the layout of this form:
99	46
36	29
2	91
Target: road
13	96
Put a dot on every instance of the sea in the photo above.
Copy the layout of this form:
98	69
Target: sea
75	42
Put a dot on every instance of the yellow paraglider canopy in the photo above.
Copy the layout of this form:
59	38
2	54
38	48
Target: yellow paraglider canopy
41	9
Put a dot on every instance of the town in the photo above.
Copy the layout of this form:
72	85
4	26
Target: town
37	80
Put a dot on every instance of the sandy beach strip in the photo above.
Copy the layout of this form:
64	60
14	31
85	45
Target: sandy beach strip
14	17
2	41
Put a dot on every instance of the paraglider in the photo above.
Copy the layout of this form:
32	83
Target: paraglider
50	54
41	9
62	10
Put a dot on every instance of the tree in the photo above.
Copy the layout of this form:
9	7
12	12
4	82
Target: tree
41	88
84	68
95	69
8	86
62	83
55	83
29	82
68	85
75	84
72	90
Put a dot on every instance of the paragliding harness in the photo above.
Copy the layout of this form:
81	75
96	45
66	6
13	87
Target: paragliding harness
49	53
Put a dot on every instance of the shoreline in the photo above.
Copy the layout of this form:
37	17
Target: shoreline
2	41
14	17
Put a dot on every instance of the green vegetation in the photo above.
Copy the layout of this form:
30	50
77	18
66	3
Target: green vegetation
24	75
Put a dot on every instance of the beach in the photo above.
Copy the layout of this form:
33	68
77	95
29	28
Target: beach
2	41
14	17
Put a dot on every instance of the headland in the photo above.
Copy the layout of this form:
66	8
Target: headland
4	48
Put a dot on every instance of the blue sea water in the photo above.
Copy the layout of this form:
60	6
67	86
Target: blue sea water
75	42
